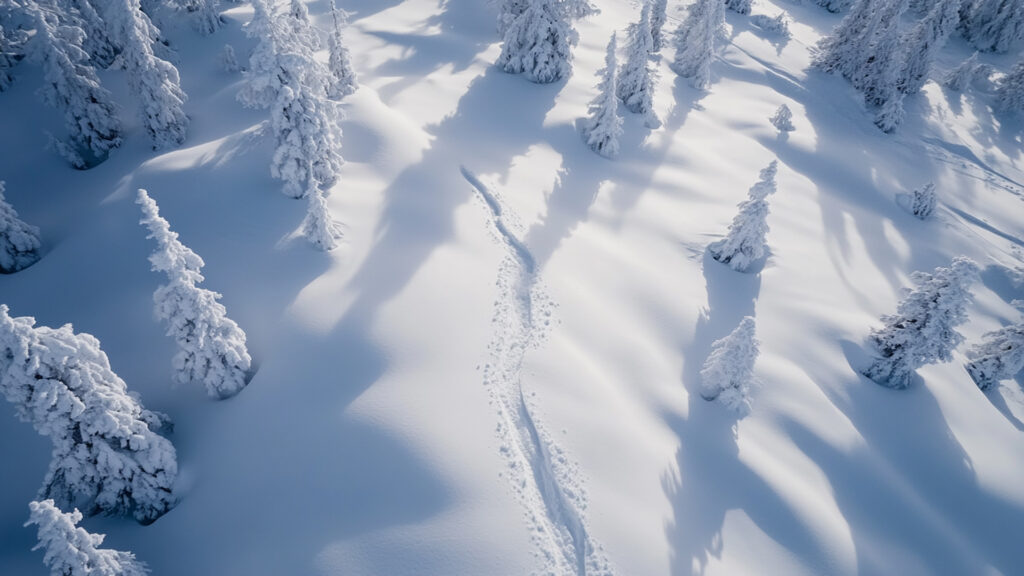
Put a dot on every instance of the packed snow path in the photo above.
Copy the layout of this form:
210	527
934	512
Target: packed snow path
543	478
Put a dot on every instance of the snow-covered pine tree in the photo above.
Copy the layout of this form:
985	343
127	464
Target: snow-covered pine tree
6	62
878	74
72	551
97	43
319	227
537	43
923	330
738	6
924	41
604	126
204	14
847	48
999	356
659	14
300	26
211	347
890	114
153	81
835	5
228	60
19	242
262	77
105	453
993	25
1010	92
635	84
72	86
728	372
923	201
343	76
783	119
961	77
745	242
694	41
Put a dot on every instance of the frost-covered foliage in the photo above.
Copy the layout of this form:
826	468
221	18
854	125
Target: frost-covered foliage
999	356
1010	92
154	82
604	126
728	372
695	41
508	11
536	44
343	77
635	85
783	119
738	6
922	201
846	50
924	41
204	14
300	26
66	151
262	78
835	5
961	77
71	85
228	60
993	25
777	25
659	14
6	62
319	227
211	347
923	330
19	242
745	242
72	551
97	43
105	453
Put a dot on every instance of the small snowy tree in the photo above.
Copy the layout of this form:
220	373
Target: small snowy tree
343	76
536	44
1010	92
738	6
308	138
659	14
635	84
319	227
922	201
835	5
695	41
154	82
204	14
993	25
728	372
72	86
105	453
924	41
783	119
604	126
19	242
890	114
211	347
228	60
961	77
72	551
745	242
923	330
1000	356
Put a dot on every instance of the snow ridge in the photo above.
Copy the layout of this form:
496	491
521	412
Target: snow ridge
543	478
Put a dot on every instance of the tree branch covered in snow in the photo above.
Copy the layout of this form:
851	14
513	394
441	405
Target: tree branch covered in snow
72	551
19	242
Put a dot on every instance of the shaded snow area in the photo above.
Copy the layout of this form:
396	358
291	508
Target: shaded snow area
498	370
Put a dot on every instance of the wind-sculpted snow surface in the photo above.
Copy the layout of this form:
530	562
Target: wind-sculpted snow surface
543	478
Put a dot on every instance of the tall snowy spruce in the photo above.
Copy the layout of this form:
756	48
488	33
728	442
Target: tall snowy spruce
211	347
922	201
72	551
71	85
19	242
635	85
846	50
745	242
999	356
153	81
923	42
604	126
106	456
659	14
1010	92
98	44
993	25
262	77
923	329
537	43
343	76
960	78
728	372
695	39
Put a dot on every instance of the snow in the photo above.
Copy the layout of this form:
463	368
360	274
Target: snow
367	442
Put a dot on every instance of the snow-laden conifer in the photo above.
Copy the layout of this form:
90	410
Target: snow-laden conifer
993	25
922	201
604	126
72	551
923	329
71	85
695	39
999	356
6	61
728	372
745	242
659	14
105	454
305	125
97	44
320	228
846	49
537	43
228	60
343	77
211	347
508	11
300	26
783	119
924	41
262	77
635	85
1010	91
835	5
960	78
738	6
19	242
204	14
153	81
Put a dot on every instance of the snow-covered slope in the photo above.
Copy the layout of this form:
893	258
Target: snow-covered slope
497	372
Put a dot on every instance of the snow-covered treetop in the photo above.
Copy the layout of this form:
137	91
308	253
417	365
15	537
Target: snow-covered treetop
171	256
72	551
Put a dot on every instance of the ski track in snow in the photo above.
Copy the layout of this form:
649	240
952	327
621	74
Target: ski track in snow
543	479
